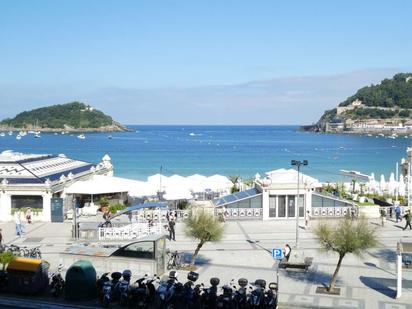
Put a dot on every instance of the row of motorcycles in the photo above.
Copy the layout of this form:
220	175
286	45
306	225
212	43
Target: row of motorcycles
151	292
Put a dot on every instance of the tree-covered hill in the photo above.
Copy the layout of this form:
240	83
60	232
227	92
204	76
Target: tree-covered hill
395	92
75	115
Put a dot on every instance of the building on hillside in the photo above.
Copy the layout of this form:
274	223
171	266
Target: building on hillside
275	197
38	181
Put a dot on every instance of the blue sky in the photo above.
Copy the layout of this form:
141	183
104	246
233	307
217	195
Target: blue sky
182	59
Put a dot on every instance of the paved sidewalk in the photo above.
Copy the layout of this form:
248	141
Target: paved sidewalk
365	283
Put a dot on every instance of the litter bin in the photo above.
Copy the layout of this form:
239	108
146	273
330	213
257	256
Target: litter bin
28	276
81	281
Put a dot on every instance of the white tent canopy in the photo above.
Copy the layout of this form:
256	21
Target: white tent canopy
100	184
285	176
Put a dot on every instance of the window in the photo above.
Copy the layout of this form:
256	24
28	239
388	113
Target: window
272	206
24	201
143	250
282	206
291	206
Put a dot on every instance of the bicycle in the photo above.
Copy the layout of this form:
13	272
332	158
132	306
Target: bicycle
175	260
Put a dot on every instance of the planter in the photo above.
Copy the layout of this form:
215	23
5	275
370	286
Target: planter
370	211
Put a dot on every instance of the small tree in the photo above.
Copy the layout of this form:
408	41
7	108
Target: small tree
349	236
5	258
203	227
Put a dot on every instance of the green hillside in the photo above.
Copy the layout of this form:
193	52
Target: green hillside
75	115
395	92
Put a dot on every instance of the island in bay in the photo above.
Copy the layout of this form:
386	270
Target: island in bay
70	117
384	108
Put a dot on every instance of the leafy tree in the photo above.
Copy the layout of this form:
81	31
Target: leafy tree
348	236
234	179
204	227
5	258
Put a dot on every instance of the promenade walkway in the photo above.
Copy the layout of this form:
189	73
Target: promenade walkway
365	283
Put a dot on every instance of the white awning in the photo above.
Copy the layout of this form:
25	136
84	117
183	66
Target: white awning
99	184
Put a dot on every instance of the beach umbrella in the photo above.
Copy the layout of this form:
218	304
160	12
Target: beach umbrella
372	184
158	180
382	184
177	193
257	176
401	186
392	184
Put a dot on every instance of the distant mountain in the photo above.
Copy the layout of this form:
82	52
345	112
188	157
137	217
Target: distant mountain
387	102
75	116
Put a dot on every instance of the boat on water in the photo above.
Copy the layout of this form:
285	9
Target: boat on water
2	134
381	134
31	132
109	137
37	135
10	132
81	136
18	137
369	134
22	133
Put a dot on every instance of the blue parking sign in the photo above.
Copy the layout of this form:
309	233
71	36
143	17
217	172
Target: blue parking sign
277	253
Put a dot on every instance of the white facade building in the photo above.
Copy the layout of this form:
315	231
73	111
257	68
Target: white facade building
33	180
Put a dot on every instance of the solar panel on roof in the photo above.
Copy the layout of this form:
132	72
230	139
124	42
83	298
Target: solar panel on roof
242	194
232	198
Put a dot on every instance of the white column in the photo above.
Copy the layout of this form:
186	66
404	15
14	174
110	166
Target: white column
5	207
399	275
47	207
265	204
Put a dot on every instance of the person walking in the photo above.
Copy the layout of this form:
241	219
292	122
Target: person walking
17	221
398	214
407	217
28	215
286	252
1	241
172	235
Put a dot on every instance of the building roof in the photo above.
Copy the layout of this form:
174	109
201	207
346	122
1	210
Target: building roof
19	168
290	176
236	197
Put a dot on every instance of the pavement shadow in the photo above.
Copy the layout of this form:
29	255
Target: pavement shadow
381	285
388	255
200	260
312	277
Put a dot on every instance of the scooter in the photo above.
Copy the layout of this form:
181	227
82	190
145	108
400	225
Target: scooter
115	285
271	296
241	294
209	297
225	300
257	297
191	293
166	290
123	287
104	287
57	284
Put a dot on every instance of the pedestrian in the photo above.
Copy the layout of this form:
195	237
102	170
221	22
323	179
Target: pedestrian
307	219
286	252
172	235
28	215
407	217
398	214
1	241
17	221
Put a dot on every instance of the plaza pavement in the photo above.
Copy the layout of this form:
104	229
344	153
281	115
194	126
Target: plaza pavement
369	282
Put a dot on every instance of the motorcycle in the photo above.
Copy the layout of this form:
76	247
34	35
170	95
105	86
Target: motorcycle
191	294
142	292
115	285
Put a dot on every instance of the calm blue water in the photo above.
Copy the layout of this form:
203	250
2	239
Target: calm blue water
227	150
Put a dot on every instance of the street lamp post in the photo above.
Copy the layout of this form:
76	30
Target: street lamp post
298	163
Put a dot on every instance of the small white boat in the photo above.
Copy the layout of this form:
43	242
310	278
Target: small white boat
81	136
31	132
369	134
37	135
109	137
2	134
55	133
10	132
18	137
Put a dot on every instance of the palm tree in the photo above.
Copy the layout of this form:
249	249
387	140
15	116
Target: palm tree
349	236
204	227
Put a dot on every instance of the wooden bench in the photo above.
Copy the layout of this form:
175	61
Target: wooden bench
307	262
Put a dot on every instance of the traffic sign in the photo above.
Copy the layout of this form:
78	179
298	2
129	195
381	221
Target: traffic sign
277	253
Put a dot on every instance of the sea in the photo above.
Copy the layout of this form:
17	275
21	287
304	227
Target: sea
225	150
